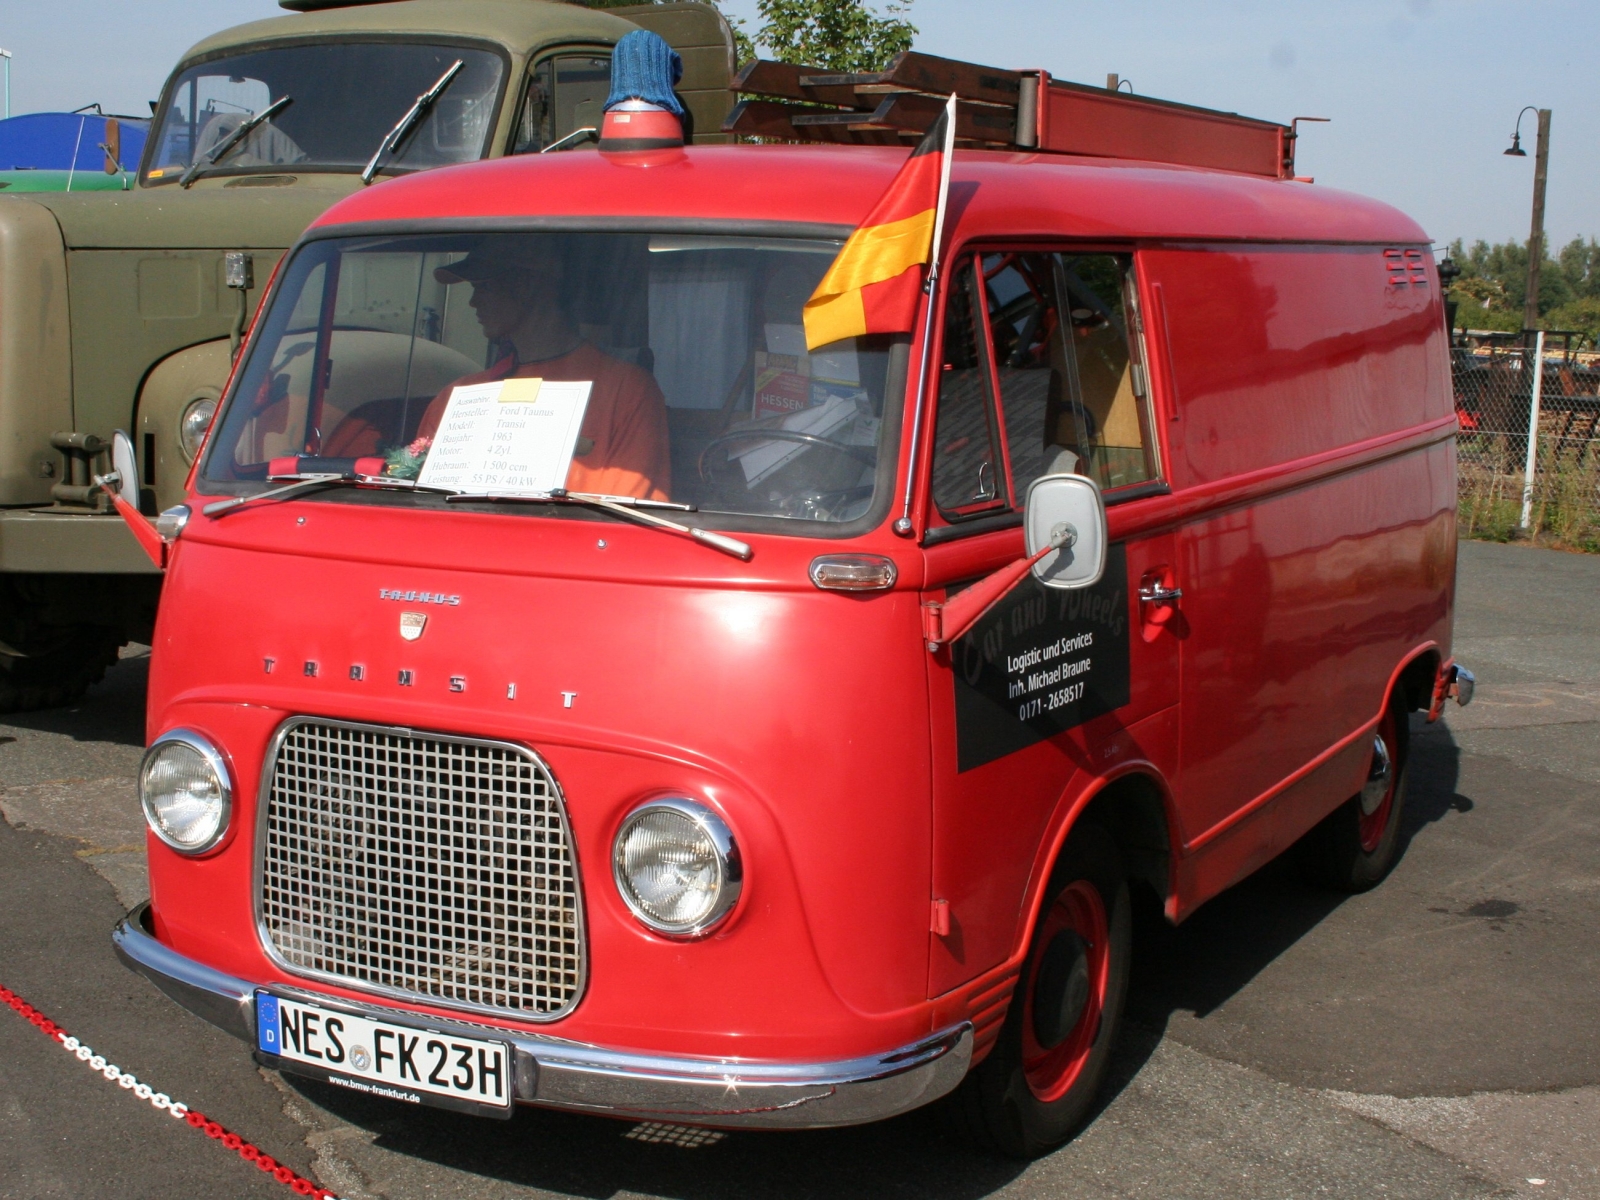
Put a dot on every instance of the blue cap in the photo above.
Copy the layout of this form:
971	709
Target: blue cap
644	67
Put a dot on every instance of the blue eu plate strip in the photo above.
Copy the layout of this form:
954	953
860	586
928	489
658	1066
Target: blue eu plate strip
268	1036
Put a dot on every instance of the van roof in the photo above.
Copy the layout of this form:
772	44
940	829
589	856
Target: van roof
1022	193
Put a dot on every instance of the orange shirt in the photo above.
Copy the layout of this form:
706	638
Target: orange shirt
624	425
622	447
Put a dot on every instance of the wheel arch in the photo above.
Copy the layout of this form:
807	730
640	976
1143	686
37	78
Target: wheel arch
1415	677
1134	804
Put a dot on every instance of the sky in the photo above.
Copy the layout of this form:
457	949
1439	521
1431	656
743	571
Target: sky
1422	94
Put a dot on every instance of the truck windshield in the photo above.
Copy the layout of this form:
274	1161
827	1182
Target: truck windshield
700	388
345	97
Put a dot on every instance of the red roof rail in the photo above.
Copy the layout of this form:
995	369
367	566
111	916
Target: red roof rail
1019	110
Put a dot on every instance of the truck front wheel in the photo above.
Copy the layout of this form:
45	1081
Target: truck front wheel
1038	1083
44	664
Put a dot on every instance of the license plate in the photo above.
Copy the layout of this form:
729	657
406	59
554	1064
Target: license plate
384	1058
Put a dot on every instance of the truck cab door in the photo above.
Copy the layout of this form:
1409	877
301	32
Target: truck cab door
1040	373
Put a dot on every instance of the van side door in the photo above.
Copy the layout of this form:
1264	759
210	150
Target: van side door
1040	372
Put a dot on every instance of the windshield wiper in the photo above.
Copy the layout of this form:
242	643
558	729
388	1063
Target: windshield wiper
310	482
626	506
417	111
244	129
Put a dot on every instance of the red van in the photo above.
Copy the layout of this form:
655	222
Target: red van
699	793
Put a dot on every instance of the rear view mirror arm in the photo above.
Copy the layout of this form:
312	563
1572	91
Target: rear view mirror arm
945	623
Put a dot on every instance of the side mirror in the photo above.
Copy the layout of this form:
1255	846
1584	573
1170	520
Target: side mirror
125	467
113	147
1070	510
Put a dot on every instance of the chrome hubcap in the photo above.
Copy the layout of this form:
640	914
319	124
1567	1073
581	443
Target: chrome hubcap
1378	777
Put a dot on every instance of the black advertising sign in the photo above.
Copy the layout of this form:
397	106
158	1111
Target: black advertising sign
1040	662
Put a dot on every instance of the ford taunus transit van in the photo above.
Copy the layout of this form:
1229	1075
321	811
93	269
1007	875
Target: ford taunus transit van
698	792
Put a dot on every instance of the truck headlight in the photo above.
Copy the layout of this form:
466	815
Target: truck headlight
185	791
193	424
677	867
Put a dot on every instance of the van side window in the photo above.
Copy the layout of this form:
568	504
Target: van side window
1071	383
966	474
564	95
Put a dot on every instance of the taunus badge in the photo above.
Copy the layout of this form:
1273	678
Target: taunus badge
412	624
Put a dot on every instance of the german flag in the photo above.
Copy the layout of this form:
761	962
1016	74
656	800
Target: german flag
872	287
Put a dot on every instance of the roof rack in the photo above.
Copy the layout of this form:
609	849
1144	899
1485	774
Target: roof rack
1017	110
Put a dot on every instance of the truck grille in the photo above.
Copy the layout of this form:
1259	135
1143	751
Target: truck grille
423	867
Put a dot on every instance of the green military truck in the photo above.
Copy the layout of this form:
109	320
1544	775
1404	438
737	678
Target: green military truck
123	310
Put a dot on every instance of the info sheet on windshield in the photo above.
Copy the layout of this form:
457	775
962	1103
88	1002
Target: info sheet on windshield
509	437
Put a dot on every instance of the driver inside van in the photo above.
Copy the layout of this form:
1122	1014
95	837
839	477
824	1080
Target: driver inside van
517	296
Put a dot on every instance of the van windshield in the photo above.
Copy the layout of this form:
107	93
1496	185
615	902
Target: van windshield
343	98
687	351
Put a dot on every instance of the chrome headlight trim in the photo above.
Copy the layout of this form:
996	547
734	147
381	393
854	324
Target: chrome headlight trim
192	426
730	866
219	766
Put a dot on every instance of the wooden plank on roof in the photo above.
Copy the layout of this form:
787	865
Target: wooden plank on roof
941	76
764	77
774	119
909	112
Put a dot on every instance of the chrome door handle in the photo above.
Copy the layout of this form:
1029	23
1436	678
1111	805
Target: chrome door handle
1154	593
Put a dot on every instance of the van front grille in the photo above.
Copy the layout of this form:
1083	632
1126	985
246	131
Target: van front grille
422	867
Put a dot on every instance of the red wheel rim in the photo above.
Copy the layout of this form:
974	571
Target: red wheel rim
1052	1071
1375	823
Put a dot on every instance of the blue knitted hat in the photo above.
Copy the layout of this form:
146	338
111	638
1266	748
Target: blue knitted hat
644	67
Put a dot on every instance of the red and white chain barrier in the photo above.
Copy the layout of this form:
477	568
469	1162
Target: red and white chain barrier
162	1102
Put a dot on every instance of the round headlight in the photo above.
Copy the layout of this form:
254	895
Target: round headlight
193	424
185	791
677	867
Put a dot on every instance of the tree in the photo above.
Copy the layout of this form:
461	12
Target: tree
1494	281
838	35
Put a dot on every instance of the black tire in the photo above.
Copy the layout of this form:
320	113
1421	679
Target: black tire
43	665
999	1106
1345	852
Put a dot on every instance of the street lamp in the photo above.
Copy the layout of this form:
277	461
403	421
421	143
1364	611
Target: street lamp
6	54
1541	167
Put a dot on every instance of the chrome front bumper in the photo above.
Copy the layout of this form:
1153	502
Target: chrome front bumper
556	1073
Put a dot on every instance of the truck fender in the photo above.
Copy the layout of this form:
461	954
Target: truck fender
183	378
35	350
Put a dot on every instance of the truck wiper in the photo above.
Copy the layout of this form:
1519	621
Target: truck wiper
310	481
626	506
244	129
414	114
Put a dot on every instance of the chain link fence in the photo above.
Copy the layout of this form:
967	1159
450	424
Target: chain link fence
1494	393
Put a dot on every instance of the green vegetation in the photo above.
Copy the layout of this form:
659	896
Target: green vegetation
1494	281
840	35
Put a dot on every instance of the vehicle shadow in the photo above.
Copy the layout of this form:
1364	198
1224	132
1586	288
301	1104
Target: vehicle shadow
1215	954
111	711
1195	967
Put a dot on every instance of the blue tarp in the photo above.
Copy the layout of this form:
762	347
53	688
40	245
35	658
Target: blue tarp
45	141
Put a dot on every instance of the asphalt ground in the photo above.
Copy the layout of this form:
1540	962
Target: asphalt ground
1438	1037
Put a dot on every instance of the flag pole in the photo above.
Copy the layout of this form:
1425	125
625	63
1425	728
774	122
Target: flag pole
904	526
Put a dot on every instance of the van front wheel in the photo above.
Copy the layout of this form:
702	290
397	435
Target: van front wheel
1038	1083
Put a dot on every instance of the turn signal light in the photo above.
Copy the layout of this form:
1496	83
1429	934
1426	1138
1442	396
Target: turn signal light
853	572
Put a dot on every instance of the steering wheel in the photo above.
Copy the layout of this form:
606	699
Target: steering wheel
867	456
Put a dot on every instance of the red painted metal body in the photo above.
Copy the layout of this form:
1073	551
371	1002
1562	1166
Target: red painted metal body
1304	421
